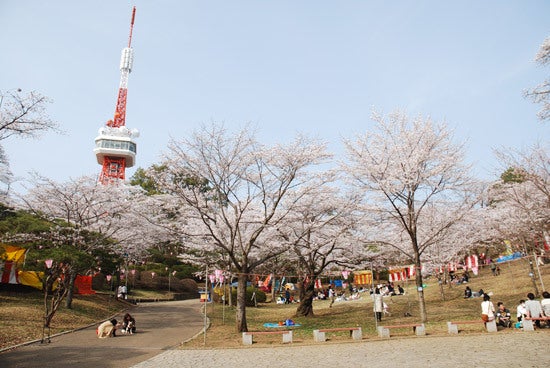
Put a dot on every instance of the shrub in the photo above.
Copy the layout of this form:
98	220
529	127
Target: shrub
260	296
218	294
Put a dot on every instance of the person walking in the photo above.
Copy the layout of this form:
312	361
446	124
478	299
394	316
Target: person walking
378	305
331	295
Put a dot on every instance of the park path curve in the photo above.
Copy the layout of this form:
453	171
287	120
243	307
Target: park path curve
161	326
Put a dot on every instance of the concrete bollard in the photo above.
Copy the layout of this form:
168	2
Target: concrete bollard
357	334
383	332
420	330
287	337
319	336
452	328
491	326
528	325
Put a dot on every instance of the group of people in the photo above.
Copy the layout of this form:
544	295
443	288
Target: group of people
530	308
534	308
463	279
108	328
390	290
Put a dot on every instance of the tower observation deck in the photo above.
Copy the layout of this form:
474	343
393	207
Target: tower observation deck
115	148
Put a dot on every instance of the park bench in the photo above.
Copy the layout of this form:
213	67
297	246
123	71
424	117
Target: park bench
528	324
355	332
247	336
418	328
452	326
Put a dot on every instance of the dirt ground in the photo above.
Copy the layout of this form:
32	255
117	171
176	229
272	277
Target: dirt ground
515	349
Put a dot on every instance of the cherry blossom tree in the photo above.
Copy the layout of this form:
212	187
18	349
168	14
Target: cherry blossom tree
5	175
230	191
404	166
521	199
541	93
98	217
24	116
453	243
320	231
519	210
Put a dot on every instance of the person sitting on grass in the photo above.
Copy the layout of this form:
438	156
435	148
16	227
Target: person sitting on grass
503	316
477	294
521	310
467	292
465	277
401	290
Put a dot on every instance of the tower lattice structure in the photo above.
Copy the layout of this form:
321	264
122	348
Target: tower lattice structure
115	148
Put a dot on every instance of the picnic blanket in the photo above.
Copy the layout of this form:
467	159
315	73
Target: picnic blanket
276	325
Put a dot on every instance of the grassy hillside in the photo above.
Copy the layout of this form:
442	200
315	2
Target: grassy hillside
510	286
22	315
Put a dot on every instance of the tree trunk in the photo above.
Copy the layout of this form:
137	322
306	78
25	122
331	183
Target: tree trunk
531	269
307	293
57	295
241	303
420	290
46	289
70	291
418	276
230	292
440	278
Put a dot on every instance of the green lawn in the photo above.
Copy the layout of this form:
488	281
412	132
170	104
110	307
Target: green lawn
509	287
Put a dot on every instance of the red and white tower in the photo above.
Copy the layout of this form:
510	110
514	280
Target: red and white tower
115	148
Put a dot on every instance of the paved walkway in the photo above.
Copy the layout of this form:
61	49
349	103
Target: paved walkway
161	326
515	349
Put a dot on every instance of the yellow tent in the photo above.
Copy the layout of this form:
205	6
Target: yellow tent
12	254
31	278
362	277
10	259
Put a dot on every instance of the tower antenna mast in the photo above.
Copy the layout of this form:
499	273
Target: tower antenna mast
115	148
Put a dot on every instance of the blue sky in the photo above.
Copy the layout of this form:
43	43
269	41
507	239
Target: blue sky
287	67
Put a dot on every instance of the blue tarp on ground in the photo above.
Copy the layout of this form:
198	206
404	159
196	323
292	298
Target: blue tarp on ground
276	325
509	258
